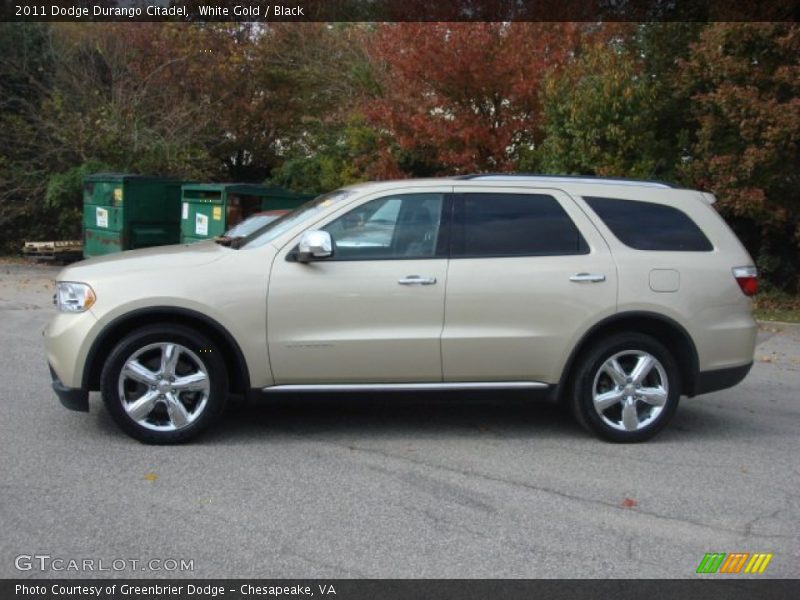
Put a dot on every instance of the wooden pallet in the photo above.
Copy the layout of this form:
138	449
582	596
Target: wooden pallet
63	251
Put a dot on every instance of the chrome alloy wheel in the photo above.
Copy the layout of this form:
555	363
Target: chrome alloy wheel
164	387
630	390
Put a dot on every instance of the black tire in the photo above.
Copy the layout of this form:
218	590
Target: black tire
198	358
609	423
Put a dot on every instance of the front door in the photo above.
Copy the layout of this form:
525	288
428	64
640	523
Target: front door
374	311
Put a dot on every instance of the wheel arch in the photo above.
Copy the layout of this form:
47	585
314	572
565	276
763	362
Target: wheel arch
666	330
238	374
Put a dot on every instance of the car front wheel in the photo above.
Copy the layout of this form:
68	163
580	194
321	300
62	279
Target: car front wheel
626	388
164	384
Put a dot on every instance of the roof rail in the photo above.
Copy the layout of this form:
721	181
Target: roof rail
564	179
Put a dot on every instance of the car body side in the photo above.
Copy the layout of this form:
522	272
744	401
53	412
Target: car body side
230	291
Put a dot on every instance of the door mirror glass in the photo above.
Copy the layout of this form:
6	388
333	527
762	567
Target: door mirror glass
314	245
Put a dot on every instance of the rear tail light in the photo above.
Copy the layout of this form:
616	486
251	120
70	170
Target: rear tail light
747	278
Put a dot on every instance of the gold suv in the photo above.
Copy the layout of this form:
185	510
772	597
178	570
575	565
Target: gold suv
614	296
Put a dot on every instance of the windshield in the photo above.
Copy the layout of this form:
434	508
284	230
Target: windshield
250	225
305	212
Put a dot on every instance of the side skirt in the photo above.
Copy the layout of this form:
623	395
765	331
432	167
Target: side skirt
528	390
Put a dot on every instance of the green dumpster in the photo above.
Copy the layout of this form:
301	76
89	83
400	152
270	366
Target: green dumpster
210	209
123	212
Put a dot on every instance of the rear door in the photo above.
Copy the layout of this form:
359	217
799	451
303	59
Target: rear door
528	274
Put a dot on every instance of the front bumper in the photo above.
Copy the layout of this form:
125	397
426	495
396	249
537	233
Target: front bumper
71	398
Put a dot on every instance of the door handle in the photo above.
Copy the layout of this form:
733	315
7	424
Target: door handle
417	280
590	277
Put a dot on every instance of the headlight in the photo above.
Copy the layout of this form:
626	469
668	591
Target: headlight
74	297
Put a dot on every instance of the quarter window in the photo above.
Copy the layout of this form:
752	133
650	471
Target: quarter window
487	225
649	226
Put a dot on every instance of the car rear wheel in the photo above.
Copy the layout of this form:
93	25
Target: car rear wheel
164	384
626	388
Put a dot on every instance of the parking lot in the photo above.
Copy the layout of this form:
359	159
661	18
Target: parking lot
395	486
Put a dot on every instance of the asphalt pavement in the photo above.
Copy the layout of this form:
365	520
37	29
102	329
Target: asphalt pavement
397	487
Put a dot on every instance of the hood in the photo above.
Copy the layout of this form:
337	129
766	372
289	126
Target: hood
146	259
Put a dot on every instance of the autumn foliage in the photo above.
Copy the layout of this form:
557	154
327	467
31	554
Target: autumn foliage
464	97
314	106
744	81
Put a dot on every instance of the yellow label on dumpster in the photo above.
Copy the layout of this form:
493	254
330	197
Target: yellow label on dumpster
117	195
217	213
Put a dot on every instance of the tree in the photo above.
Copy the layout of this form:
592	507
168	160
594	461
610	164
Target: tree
598	122
663	47
336	155
128	96
64	199
26	72
334	144
462	97
197	101
299	79
615	107
744	80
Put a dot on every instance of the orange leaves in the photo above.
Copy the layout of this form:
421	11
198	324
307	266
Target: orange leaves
744	84
463	96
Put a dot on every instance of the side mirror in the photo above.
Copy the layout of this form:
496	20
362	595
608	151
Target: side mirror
314	245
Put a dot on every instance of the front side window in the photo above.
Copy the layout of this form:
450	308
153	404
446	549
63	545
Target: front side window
648	226
497	225
392	227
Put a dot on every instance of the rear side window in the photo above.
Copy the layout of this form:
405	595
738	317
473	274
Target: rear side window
494	225
648	226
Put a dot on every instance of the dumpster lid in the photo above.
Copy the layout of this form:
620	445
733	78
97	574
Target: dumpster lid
127	177
250	189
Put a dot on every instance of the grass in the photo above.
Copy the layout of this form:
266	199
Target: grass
777	306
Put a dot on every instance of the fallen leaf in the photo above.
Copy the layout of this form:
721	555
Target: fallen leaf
151	476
